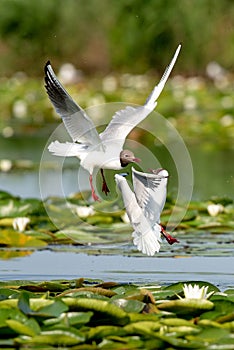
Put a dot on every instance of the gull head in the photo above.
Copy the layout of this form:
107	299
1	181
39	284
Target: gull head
160	171
127	157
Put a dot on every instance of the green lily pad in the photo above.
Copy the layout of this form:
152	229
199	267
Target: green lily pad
58	337
15	207
29	327
187	306
70	318
12	238
129	305
113	313
223	311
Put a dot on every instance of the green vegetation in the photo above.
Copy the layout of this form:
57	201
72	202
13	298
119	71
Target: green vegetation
110	35
32	224
202	112
89	314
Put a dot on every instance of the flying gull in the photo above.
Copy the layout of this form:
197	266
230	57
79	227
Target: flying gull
104	150
144	205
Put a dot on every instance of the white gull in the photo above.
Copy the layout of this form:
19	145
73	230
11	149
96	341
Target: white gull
144	206
105	150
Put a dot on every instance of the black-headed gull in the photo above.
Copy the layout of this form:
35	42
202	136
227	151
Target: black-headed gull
105	150
144	206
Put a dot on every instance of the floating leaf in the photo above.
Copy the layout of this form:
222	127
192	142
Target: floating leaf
10	254
70	318
110	311
29	327
17	239
53	310
190	307
129	305
100	332
223	311
59	337
15	207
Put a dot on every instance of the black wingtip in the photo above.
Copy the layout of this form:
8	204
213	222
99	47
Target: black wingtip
46	66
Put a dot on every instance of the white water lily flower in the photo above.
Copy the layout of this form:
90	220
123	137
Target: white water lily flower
84	212
215	209
5	165
20	223
195	292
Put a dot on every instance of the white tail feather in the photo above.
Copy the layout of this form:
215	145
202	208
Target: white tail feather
146	243
67	149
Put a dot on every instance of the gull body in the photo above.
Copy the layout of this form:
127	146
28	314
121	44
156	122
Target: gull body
104	150
144	206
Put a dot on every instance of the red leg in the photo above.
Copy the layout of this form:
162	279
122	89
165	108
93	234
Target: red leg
105	188
95	197
169	238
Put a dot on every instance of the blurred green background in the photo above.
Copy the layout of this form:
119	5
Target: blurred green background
118	50
101	36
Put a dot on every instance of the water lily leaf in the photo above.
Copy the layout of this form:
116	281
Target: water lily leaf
53	310
4	195
6	222
182	343
11	254
129	305
211	335
44	236
15	207
51	286
144	317
12	238
183	330
83	290
187	306
111	312
86	294
178	287
177	322
143	328
100	332
23	303
6	293
10	313
223	311
70	319
59	337
29	327
163	294
99	219
80	236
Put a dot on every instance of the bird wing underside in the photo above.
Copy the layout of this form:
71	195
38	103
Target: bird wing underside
78	124
150	191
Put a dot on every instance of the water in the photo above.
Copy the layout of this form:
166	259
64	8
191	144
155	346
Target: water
46	265
213	171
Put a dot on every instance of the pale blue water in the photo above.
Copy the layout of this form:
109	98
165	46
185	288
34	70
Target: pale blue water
46	265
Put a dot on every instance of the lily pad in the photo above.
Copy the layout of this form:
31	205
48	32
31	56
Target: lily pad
11	238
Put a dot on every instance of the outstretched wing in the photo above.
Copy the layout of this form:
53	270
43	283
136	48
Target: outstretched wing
78	124
145	237
125	120
151	192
